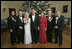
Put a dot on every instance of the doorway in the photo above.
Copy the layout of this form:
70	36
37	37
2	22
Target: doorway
10	9
53	9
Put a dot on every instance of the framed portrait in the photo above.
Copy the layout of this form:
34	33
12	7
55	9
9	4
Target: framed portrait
65	8
4	9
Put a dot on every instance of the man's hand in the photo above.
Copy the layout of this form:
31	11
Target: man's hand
11	30
20	27
56	27
38	28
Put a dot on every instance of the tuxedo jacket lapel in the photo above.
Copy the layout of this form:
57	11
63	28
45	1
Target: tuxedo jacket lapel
21	20
31	18
59	19
35	18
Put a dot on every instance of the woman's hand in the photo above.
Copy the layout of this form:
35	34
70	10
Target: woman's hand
45	29
25	20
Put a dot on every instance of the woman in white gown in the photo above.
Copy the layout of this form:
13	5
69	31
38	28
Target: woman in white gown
27	35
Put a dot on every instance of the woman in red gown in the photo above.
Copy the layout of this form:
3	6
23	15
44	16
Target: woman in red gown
42	28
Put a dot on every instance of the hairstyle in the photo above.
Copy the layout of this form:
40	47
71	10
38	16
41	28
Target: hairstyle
19	11
58	10
33	8
11	13
26	13
41	12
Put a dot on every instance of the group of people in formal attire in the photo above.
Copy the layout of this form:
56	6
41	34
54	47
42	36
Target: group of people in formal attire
32	28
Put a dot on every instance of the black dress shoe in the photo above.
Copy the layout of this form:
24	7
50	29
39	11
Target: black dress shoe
50	41
60	44
32	42
55	42
22	42
18	42
12	43
35	42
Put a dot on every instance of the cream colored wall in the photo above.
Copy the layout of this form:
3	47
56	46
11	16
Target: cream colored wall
60	4
18	5
9	4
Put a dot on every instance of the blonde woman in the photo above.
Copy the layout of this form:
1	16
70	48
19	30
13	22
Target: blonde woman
27	35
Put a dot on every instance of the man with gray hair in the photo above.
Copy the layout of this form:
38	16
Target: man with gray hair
34	25
58	26
50	24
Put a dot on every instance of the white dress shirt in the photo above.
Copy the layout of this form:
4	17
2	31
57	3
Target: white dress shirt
33	17
21	18
57	19
50	18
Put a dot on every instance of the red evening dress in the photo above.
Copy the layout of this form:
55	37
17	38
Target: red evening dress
42	32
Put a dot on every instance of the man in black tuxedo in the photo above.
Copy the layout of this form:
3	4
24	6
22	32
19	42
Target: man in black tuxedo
20	27
59	21
11	20
50	24
34	26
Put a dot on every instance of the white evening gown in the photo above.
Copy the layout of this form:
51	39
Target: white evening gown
27	35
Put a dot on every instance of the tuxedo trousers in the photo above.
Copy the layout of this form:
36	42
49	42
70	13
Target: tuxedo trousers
49	34
58	34
13	37
34	35
20	35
